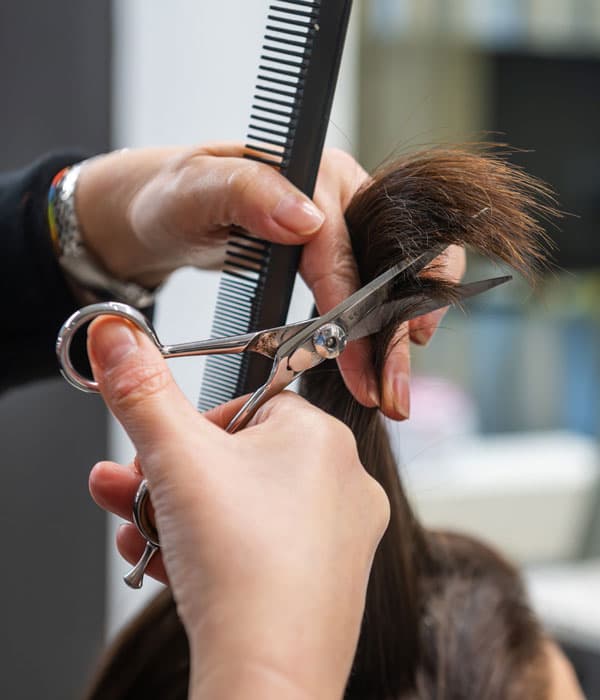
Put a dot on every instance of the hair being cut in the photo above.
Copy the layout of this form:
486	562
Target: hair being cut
446	617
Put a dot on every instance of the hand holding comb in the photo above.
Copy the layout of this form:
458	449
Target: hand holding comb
299	65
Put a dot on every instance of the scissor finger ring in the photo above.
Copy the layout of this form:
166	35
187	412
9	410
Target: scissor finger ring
79	319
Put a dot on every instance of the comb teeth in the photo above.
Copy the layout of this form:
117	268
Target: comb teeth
292	26
287	46
288	41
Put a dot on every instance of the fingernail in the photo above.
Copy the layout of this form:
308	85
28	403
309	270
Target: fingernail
112	342
298	214
401	389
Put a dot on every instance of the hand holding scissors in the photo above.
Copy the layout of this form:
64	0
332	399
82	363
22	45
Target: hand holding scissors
293	348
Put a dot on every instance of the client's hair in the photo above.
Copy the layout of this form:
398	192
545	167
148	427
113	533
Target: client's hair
446	617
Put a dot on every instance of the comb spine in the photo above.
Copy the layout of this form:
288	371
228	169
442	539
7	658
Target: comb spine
304	160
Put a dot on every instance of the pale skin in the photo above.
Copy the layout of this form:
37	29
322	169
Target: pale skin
257	532
252	527
563	681
144	214
148	212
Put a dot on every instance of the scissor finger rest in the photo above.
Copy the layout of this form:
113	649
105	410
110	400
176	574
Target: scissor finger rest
79	319
146	528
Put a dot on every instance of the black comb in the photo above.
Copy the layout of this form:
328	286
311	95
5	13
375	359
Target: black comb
298	70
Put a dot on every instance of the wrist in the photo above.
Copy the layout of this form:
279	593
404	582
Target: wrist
239	679
107	186
91	281
271	647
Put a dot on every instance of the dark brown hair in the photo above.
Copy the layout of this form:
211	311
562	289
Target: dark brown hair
446	617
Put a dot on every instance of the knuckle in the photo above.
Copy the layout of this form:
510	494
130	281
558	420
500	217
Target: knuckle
458	263
400	339
345	438
379	506
321	425
283	409
450	265
338	158
335	437
138	383
373	501
242	179
184	173
326	435
341	167
339	273
245	203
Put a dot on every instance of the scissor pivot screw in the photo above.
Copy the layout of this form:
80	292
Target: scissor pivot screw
329	340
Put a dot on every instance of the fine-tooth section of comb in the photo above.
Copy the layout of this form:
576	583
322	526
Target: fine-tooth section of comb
298	68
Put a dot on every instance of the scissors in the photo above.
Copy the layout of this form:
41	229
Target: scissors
294	349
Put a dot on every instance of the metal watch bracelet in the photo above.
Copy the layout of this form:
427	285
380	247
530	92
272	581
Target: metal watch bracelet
77	261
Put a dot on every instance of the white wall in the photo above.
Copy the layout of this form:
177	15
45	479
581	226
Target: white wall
184	72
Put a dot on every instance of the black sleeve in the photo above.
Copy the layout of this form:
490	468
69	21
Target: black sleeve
35	299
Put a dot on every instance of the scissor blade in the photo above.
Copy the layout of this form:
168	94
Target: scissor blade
379	317
378	291
358	305
379	287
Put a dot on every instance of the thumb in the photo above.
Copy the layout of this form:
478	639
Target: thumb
216	192
260	200
138	387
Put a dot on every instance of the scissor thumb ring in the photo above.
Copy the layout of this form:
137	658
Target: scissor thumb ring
145	526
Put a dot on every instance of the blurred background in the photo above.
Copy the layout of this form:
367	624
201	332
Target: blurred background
503	436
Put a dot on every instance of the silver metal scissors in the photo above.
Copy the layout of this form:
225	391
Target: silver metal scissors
294	349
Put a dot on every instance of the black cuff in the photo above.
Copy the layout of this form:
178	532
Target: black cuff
35	297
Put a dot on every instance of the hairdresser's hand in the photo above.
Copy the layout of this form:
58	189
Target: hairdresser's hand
267	535
147	212
329	269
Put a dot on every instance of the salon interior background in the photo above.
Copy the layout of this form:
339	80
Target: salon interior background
505	421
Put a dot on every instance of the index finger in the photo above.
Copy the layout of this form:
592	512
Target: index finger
329	268
450	265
